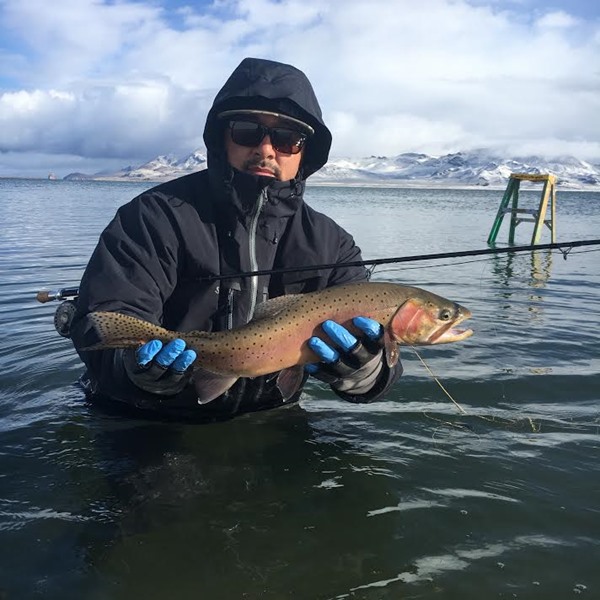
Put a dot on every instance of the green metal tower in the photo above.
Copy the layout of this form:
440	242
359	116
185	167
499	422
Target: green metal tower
511	196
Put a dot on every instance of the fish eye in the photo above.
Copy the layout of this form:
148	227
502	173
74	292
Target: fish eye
445	314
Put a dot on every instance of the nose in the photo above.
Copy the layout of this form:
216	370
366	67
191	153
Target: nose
265	148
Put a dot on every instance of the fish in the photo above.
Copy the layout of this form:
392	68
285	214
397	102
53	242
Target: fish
275	340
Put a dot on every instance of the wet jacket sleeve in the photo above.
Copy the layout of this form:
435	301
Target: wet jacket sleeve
387	377
133	270
348	252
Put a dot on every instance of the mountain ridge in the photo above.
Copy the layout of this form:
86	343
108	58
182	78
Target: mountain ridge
468	168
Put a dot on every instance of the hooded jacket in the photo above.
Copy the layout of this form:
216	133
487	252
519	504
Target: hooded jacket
153	259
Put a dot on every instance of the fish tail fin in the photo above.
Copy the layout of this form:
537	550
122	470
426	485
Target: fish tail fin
115	330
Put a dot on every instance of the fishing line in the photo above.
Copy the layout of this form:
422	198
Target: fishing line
460	408
534	428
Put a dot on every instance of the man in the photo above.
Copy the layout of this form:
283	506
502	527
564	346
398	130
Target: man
264	136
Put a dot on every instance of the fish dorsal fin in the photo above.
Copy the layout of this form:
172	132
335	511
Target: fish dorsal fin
198	334
274	306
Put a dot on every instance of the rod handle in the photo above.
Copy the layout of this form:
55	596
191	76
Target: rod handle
44	296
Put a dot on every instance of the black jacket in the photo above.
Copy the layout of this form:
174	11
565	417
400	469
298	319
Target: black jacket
154	258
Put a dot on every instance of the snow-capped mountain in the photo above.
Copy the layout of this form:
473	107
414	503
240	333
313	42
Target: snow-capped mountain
479	167
463	168
163	168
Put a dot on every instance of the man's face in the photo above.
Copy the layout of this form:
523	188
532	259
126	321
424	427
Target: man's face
263	159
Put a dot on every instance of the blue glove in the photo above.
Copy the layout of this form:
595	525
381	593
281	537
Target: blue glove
349	364
160	369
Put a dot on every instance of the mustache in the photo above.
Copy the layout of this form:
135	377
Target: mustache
262	164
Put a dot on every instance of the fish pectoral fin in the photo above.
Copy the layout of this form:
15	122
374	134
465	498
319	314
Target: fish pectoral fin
289	381
391	350
211	385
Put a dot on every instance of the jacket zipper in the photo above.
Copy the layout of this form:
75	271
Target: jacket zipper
252	251
230	309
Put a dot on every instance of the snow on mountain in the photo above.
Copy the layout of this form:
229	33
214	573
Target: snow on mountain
478	167
463	168
163	168
193	162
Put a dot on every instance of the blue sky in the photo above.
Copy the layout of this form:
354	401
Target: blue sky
94	84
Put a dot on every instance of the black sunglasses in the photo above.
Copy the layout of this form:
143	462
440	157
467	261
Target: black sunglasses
251	134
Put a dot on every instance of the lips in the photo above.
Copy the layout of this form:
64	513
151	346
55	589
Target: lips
263	168
262	171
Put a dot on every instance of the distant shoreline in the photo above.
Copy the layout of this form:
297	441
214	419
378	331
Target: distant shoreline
399	184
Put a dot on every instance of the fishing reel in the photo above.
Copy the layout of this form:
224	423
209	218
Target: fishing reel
63	316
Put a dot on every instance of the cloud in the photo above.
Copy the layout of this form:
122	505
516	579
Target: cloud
130	80
136	119
558	20
74	38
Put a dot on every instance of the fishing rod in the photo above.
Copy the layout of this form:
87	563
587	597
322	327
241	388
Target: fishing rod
400	259
72	292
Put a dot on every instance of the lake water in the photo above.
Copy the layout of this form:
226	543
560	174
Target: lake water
405	498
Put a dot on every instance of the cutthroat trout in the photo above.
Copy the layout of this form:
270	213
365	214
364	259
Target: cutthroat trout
275	340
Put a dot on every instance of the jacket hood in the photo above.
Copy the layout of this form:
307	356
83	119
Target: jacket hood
267	85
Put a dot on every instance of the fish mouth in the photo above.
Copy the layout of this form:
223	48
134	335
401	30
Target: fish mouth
449	333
